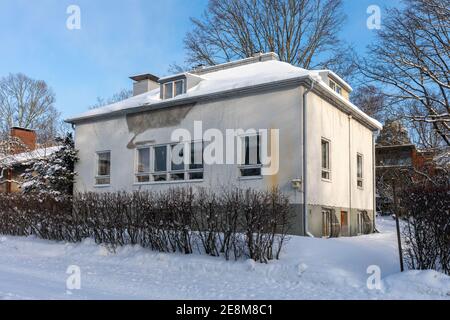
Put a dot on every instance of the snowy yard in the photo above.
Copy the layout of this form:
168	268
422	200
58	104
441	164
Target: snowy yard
309	269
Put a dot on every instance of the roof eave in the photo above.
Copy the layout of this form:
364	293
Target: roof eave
305	80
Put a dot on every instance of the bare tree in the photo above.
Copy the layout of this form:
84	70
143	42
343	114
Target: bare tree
411	60
393	133
119	96
302	32
371	100
27	103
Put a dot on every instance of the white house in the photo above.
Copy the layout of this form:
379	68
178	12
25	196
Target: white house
326	144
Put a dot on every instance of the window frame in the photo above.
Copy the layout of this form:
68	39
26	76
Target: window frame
138	174
246	167
335	87
360	179
322	168
173	83
97	175
165	90
175	87
168	173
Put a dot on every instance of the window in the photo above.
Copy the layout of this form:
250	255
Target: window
166	163
179	87
173	89
143	165
359	170
326	168
363	223
335	87
344	222
168	90
326	223
160	163
251	156
331	226
103	176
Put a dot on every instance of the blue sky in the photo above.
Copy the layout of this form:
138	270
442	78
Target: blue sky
117	39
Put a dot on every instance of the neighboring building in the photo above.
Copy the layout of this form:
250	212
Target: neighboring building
126	146
391	161
13	165
404	156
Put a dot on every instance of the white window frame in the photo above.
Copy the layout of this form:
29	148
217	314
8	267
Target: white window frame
324	169
173	88
186	171
244	166
97	175
136	165
360	179
335	87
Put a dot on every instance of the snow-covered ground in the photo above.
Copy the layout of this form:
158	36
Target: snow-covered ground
309	269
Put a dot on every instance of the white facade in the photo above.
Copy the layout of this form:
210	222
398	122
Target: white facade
273	107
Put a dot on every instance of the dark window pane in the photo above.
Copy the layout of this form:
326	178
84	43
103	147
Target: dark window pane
179	87
252	150
251	172
160	159
177	156
168	90
195	175
325	154
196	161
177	176
159	177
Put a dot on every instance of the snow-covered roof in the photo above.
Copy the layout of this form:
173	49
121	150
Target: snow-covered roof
226	79
28	156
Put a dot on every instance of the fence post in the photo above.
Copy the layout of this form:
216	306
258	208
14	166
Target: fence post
397	223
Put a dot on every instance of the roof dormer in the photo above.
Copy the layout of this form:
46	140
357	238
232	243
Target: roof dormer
173	86
336	83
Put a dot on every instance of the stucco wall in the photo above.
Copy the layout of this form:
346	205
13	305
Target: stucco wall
347	138
272	110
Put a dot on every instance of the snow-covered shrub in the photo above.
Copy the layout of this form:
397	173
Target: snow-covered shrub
234	223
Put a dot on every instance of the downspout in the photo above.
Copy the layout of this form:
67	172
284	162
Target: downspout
374	178
349	174
305	176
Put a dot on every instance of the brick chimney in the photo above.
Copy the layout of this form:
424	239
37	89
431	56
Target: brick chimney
27	136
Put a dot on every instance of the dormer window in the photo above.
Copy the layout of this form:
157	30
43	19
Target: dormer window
173	88
168	90
335	87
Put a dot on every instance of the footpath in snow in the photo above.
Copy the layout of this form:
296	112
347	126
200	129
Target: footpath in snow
309	269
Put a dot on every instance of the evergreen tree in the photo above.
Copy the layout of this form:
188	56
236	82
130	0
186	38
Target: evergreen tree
53	174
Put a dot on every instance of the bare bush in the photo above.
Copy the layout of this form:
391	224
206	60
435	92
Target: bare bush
233	223
427	231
